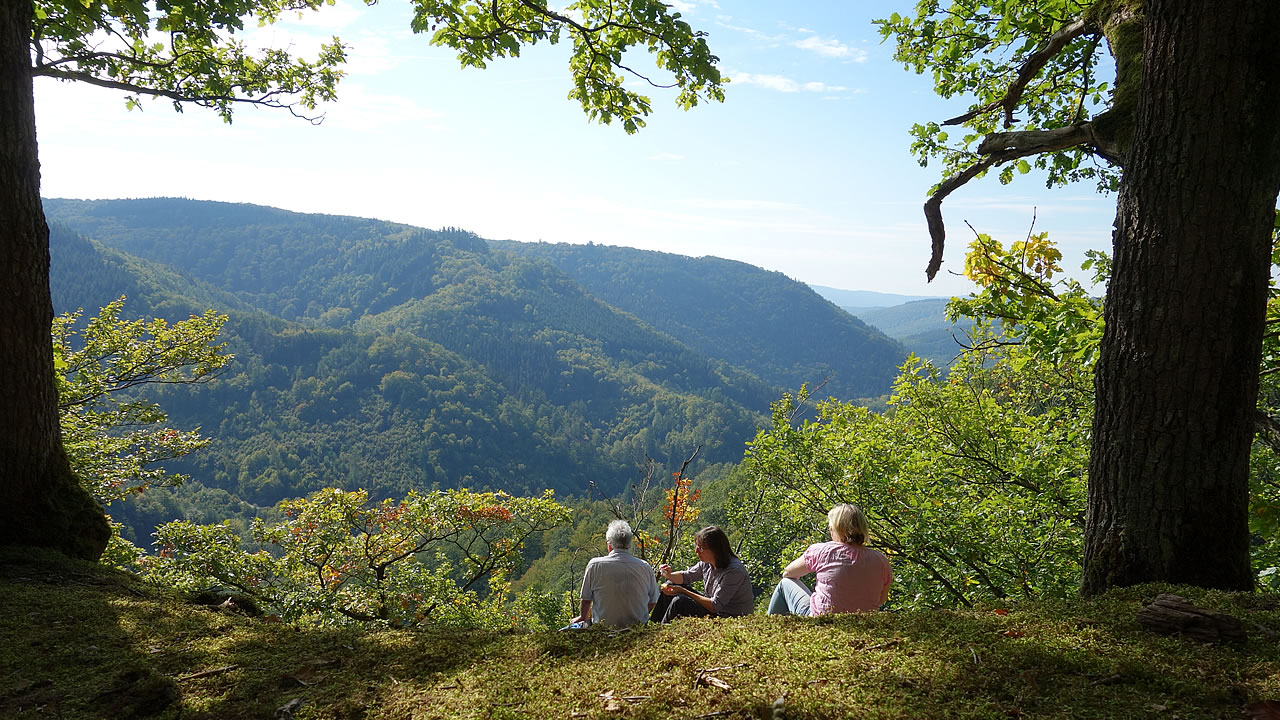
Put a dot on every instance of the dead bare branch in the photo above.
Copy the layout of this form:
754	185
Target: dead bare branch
933	211
1003	147
208	673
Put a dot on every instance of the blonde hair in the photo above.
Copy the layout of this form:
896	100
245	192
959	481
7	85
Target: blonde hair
849	523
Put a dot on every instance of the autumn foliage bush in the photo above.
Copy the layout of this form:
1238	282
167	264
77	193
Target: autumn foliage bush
339	558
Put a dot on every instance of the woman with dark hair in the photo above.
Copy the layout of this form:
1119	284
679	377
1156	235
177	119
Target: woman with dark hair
726	587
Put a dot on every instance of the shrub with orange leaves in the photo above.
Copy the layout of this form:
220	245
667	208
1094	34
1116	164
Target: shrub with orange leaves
680	508
338	557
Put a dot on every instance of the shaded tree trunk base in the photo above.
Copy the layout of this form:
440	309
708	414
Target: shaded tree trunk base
42	503
56	512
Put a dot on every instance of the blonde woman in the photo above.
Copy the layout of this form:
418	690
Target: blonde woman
850	576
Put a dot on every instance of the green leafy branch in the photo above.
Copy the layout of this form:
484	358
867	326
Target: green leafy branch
341	558
114	45
602	32
113	441
1031	68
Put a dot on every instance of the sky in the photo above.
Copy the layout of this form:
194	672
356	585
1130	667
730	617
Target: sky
804	169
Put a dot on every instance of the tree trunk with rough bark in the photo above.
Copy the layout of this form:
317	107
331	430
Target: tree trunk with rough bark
1178	371
41	502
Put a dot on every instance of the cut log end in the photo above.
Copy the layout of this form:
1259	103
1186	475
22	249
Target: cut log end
1173	615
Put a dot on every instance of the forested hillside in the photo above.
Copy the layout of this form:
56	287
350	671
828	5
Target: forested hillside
322	268
380	356
307	407
775	327
922	326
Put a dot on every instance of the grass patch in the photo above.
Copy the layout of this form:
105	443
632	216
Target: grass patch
82	641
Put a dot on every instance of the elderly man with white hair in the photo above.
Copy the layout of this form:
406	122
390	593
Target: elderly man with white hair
619	588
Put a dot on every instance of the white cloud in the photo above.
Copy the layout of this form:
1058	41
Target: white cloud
830	48
296	39
781	83
727	22
823	87
374	53
772	82
363	111
684	6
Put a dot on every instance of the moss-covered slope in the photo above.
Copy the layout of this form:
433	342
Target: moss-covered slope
80	641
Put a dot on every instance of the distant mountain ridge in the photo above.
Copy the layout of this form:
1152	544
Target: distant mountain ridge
775	327
918	322
867	298
377	355
921	325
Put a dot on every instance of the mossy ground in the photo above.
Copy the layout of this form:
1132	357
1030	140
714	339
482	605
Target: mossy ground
80	641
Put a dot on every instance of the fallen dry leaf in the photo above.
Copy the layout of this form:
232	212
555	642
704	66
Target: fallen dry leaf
611	703
713	681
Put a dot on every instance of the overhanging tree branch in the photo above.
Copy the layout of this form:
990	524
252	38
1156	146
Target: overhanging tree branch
1017	144
933	211
269	99
1002	147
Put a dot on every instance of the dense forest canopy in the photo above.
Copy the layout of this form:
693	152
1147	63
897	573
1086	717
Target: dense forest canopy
378	356
203	61
798	337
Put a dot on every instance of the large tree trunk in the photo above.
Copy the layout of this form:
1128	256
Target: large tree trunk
41	502
1177	376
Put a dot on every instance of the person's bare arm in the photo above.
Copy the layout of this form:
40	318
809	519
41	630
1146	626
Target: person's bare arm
675	577
702	600
584	613
797	569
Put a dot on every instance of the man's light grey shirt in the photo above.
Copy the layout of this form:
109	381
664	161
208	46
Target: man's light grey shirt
620	587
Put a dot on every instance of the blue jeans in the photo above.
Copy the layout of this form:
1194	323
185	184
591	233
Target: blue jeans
791	597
